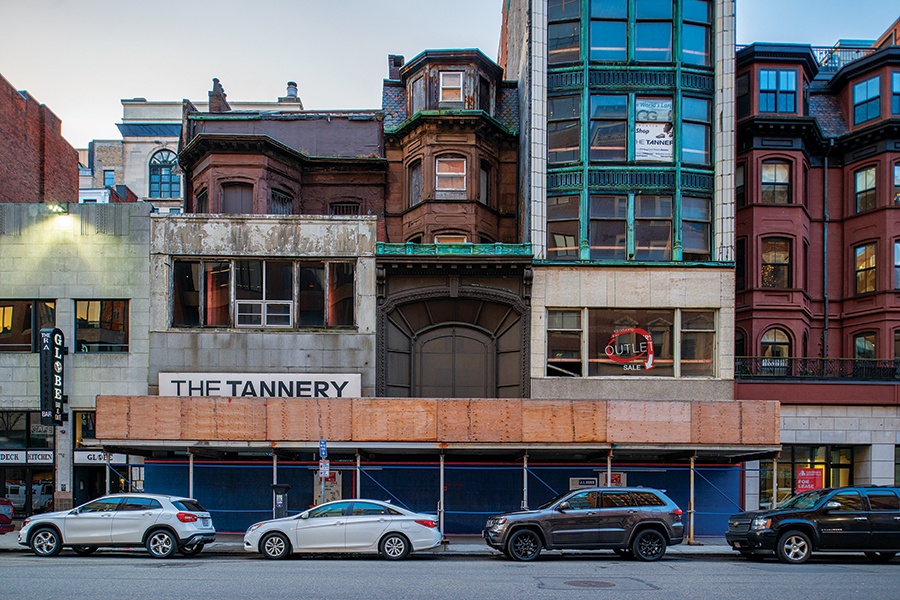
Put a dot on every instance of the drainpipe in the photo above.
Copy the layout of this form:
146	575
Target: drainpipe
825	247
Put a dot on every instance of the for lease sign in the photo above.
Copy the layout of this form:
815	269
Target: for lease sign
262	385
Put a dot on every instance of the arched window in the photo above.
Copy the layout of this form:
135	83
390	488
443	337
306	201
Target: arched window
164	182
776	350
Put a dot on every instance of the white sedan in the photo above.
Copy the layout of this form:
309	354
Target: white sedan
364	526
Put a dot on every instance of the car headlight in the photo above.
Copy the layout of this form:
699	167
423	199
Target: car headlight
498	523
761	523
254	527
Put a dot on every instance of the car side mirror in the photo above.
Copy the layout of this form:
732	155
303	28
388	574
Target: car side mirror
304	515
564	506
832	505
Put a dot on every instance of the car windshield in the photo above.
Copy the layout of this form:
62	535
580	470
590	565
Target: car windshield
554	500
804	500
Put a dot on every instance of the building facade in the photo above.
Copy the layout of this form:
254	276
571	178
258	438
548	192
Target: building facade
817	181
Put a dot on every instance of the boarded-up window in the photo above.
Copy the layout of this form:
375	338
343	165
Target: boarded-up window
237	199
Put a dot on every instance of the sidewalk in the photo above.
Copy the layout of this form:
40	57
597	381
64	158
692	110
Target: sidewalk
458	545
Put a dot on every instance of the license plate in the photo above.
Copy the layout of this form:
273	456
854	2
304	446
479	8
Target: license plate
205	522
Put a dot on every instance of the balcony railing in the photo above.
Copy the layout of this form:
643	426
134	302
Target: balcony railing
761	367
831	58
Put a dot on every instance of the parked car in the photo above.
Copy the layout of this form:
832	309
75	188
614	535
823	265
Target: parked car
163	524
364	526
634	522
6	516
861	518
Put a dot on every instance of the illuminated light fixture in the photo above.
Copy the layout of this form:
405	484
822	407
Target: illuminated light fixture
58	208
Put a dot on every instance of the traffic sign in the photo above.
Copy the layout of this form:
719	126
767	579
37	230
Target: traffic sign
324	468
323	449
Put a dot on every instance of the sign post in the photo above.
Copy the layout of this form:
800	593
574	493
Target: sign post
324	466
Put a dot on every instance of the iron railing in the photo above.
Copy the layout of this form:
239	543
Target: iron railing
832	58
761	367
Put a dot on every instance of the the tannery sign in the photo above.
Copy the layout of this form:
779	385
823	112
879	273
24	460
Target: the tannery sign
263	385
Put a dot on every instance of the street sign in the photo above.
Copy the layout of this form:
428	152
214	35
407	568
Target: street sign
323	450
324	468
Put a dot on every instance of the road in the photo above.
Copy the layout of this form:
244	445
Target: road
136	576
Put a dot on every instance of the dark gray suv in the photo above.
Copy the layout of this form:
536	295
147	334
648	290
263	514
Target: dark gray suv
634	522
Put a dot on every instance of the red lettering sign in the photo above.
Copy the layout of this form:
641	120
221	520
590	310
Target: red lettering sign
810	479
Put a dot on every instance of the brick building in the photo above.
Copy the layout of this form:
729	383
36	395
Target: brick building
36	163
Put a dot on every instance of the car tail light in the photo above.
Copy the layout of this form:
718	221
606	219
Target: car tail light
677	512
187	517
426	522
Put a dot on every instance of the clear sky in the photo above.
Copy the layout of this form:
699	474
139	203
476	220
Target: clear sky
81	57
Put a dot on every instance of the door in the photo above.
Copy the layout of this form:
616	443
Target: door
323	529
134	517
455	362
365	524
845	527
884	519
576	527
617	516
91	524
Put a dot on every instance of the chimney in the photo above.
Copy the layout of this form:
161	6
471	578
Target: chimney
395	61
217	102
292	97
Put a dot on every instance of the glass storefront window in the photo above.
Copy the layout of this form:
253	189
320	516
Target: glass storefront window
801	468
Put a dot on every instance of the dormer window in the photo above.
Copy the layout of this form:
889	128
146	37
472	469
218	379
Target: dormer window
866	100
418	96
451	86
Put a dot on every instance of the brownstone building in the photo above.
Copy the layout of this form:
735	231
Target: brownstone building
36	163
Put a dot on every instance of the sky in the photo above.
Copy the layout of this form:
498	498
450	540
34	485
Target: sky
81	57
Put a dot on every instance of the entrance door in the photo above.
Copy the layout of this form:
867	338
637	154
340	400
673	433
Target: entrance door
455	362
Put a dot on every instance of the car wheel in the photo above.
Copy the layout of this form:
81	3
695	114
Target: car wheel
524	545
753	556
46	542
84	550
649	545
191	550
275	546
794	547
161	544
880	557
394	547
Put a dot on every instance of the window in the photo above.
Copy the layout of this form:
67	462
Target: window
653	140
21	322
742	95
864	346
564	343
563	129
776	263
864	189
563	31
264	292
417	102
415	183
897	265
202	201
484	184
450	177
897	184
740	343
776	349
451	86
740	190
895	93
101	326
281	203
608	227
653	227
695	130
450	238
609	119
777	91
563	231
864	260
695	38
237	199
653	30
776	182
164	182
698	341
609	30
344	208
740	265
866	100
696	228
883	500
109	178
484	95
618	344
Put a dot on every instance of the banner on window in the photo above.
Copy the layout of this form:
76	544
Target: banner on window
653	142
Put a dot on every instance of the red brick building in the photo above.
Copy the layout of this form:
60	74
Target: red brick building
36	163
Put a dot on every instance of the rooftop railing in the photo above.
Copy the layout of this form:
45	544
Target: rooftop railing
763	367
832	58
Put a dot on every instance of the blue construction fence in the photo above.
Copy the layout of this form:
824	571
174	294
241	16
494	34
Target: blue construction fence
238	494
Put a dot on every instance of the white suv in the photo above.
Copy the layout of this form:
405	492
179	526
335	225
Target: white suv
163	524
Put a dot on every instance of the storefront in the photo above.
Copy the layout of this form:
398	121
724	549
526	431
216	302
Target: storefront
27	461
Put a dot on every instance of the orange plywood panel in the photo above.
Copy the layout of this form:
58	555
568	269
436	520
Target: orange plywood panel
760	422
454	420
649	422
308	419
395	419
112	417
199	417
496	420
241	419
547	421
589	417
716	423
